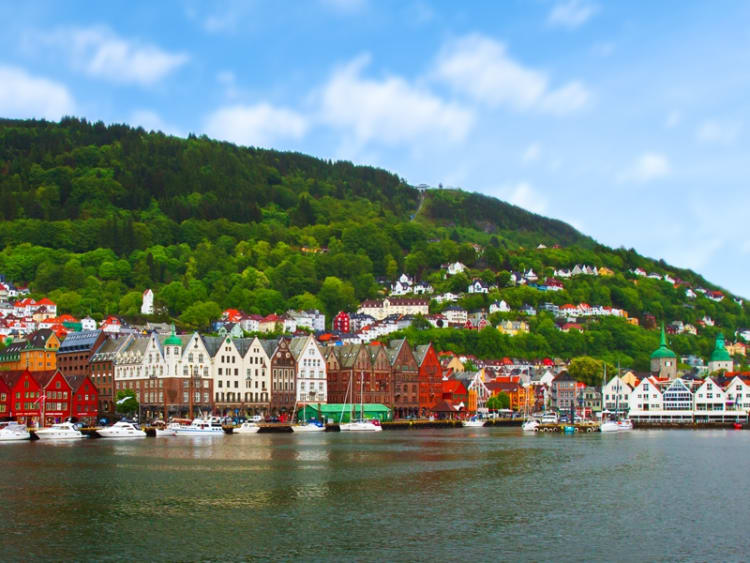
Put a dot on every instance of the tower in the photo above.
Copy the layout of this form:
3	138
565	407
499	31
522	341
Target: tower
663	360
720	358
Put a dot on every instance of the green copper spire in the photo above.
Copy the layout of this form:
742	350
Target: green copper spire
663	351
720	353
173	339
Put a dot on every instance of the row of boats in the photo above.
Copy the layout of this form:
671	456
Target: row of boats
13	431
536	424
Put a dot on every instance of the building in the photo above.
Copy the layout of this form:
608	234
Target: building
85	399
283	379
563	392
430	378
359	375
380	309
102	370
616	395
311	370
405	374
36	353
341	322
663	360
147	303
74	354
720	358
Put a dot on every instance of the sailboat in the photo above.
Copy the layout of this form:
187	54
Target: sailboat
616	425
360	425
308	426
530	424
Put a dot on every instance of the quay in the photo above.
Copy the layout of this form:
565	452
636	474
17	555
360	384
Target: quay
560	427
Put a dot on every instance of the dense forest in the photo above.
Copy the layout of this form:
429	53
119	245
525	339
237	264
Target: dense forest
94	214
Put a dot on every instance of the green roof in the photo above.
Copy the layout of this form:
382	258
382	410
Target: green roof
173	339
720	353
663	351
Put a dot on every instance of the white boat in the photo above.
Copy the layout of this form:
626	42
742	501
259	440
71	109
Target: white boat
246	428
164	430
616	426
60	431
121	430
473	423
200	427
530	425
361	426
309	427
13	432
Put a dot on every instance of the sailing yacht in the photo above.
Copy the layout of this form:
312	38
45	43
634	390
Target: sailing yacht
616	425
360	425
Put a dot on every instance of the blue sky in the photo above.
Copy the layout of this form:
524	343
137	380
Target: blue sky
629	120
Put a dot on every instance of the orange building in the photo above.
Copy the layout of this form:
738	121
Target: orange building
38	352
520	396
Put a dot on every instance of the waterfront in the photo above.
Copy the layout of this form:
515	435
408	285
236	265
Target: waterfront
464	494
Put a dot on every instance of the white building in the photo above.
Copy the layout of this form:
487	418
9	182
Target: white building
499	307
87	323
311	370
147	304
616	395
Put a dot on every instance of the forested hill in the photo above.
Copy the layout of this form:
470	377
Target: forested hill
94	214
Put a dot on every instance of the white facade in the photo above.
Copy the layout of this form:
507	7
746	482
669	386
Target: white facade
709	396
455	268
647	396
311	370
147	304
616	395
87	323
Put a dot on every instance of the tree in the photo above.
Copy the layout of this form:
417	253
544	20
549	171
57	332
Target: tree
336	295
499	401
587	370
126	402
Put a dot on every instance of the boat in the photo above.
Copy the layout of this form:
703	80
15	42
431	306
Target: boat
312	426
200	427
121	429
13	431
616	426
473	422
246	428
360	425
550	418
530	425
60	431
165	430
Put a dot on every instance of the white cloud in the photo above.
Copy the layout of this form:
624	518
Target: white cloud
571	14
531	154
390	110
25	96
480	68
100	52
713	131
673	119
258	125
524	195
647	167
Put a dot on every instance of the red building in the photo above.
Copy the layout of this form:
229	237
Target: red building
4	399
85	403
25	396
56	396
359	373
405	379
430	378
342	322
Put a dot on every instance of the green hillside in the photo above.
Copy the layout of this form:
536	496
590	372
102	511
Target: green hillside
94	214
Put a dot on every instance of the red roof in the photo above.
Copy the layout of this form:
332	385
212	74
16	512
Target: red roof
454	386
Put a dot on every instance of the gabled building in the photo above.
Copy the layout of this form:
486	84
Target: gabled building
38	352
74	354
102	369
405	376
430	378
311	370
283	380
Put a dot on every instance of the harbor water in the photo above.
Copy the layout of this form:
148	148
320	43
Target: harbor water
480	494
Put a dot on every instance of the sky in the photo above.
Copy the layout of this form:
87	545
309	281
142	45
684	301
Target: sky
629	120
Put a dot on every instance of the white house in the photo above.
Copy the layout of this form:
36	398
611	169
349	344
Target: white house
448	297
709	396
530	276
311	370
616	396
455	268
690	294
646	396
87	323
738	394
147	303
455	314
499	307
478	286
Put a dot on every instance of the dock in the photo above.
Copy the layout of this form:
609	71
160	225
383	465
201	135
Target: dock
558	427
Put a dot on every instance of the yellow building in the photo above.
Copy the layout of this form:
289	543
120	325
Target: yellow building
604	271
513	327
36	353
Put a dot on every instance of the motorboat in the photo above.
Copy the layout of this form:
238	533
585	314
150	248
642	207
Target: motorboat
200	427
312	426
121	429
60	431
473	422
13	431
163	430
246	428
616	426
361	426
531	425
550	418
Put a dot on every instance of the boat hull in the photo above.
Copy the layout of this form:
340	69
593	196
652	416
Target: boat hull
308	428
360	427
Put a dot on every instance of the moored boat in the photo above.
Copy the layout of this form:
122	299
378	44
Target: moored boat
60	431
530	425
312	426
473	422
13	432
616	426
361	426
200	427
121	429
